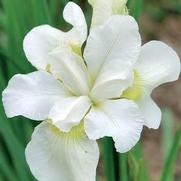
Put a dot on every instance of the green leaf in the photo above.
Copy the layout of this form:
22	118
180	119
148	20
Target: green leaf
137	167
135	7
167	173
14	147
5	167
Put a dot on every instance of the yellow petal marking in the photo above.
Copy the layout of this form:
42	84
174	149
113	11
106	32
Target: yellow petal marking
136	91
48	68
119	7
76	131
75	47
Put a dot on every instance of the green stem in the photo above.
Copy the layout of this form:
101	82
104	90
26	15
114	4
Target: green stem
167	131
108	159
123	167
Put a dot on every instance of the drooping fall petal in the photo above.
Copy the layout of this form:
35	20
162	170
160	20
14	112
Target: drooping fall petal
54	156
151	112
32	95
119	119
157	64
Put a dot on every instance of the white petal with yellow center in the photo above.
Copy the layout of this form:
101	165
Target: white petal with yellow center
157	64
119	119
68	113
136	90
55	156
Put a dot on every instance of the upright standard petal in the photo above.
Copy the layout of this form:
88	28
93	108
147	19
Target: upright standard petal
32	95
39	42
112	80
56	156
117	39
157	64
74	15
120	119
44	39
69	112
71	69
102	10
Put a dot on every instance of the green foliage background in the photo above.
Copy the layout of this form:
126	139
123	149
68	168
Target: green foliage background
17	17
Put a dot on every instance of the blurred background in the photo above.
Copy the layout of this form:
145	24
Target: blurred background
158	155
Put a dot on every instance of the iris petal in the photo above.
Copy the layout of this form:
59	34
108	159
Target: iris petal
53	155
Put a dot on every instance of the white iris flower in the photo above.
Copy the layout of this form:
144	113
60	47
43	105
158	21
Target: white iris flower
86	95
